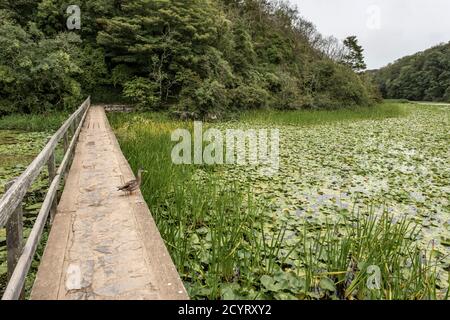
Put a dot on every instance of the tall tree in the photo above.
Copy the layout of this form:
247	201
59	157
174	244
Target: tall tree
354	57
164	42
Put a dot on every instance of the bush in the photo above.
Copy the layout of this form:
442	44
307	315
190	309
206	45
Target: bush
447	95
121	74
250	97
93	68
206	97
37	74
289	96
142	91
337	86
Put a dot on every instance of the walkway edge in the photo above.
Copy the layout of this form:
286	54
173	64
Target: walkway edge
50	282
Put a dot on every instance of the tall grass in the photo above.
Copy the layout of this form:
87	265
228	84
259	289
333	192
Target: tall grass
33	122
203	222
316	117
225	246
368	242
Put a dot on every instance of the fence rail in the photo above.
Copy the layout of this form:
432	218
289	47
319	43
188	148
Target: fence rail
20	258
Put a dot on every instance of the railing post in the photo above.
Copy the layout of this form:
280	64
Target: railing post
14	236
51	165
66	141
72	127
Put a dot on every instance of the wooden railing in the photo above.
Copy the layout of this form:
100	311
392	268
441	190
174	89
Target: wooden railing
20	257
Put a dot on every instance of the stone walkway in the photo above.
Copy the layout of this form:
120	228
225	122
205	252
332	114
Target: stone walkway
104	244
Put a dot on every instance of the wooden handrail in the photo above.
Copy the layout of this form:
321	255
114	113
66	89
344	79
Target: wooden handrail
12	199
15	194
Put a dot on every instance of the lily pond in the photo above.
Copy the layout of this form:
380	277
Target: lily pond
359	208
17	150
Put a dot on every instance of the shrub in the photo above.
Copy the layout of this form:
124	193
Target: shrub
202	98
337	86
37	74
142	91
249	97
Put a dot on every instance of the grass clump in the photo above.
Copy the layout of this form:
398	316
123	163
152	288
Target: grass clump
373	257
203	222
317	117
34	122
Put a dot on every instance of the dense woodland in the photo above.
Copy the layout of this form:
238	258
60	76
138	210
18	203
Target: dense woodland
424	76
206	57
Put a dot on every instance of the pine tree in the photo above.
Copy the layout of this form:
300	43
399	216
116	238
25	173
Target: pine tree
354	57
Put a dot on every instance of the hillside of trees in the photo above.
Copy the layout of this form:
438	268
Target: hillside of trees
424	76
201	56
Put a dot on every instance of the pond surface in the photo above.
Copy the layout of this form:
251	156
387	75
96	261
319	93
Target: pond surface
17	151
399	164
395	167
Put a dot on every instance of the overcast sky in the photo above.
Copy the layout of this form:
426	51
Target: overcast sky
387	29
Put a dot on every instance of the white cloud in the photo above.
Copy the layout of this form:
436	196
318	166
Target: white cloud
406	26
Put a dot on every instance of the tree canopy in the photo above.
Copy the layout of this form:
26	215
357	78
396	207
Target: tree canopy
354	57
424	76
202	56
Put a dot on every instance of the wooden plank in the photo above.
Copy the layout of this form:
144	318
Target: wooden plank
14	196
51	165
66	142
61	227
14	236
17	281
170	284
55	255
22	264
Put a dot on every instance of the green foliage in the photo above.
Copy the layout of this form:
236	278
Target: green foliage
21	11
250	96
336	86
424	76
210	95
94	72
121	74
37	73
142	91
354	57
206	57
35	122
170	43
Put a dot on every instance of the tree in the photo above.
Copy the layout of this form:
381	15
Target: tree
37	73
203	56
354	57
166	42
422	76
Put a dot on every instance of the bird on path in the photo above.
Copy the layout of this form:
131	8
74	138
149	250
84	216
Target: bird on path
132	185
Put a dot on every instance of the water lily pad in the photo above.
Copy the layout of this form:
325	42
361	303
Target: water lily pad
327	284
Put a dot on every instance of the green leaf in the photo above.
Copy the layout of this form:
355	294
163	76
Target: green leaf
267	282
327	284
